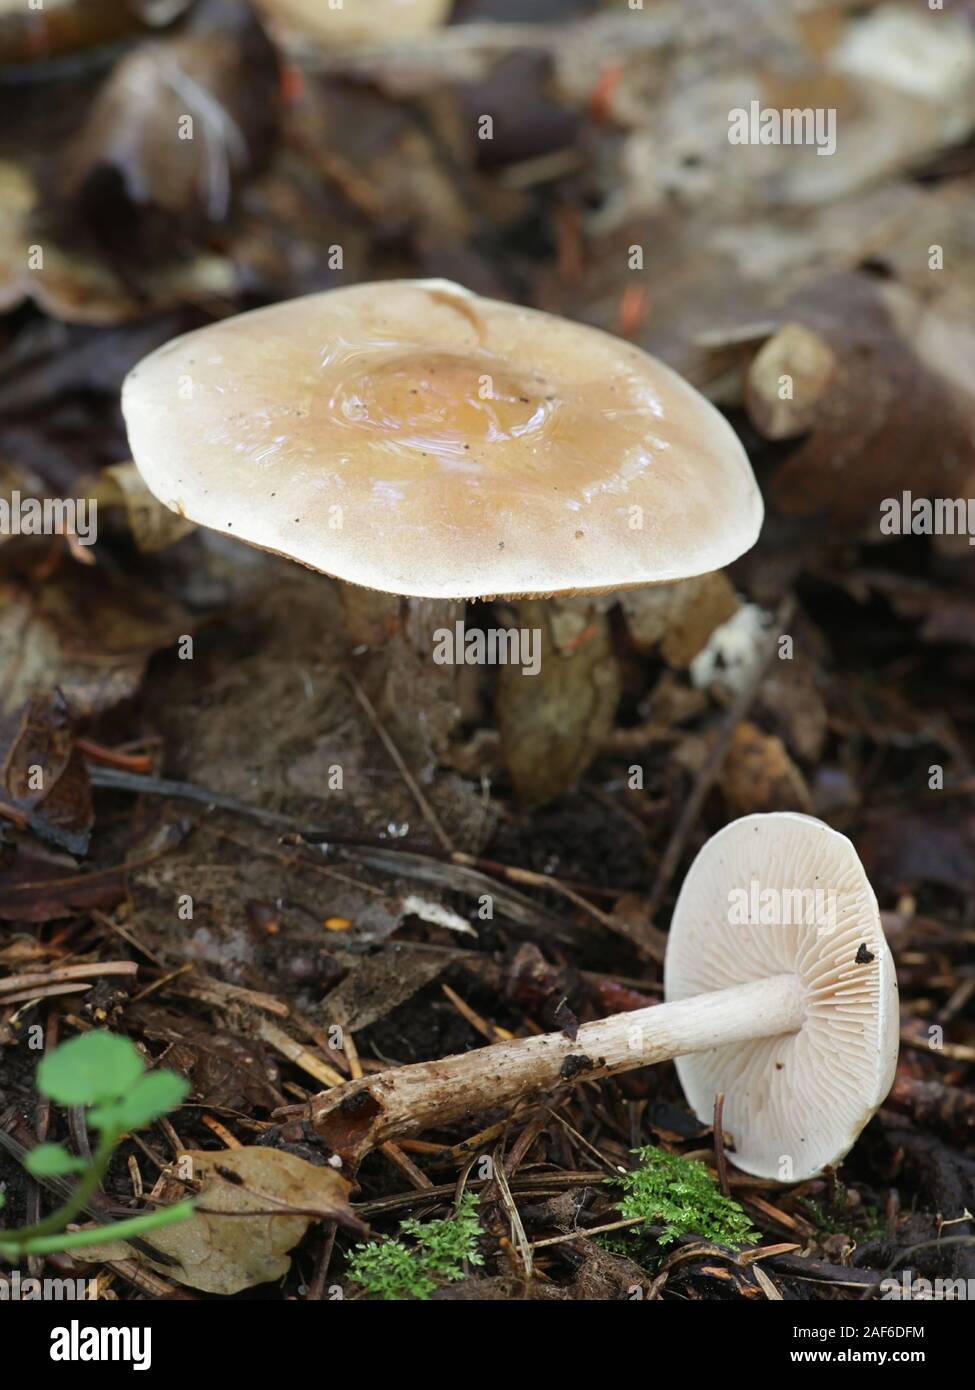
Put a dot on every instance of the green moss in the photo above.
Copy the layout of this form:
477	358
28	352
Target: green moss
844	1219
434	1252
681	1195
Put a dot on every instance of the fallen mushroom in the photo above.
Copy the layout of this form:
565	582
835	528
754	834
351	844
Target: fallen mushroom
795	1022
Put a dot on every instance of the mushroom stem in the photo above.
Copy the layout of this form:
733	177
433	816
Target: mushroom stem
357	1117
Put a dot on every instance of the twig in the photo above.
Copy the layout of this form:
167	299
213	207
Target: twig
114	779
220	993
317	1286
514	1216
589	1231
282	1042
24	996
161	983
429	815
406	1166
110	757
221	1131
126	935
529	878
67	974
720	1158
541	1185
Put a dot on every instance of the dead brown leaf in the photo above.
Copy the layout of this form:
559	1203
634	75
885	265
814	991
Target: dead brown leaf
679	617
221	1249
214	87
83	632
44	775
759	775
39	886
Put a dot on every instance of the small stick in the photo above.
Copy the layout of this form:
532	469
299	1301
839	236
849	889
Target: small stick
429	814
406	1166
491	1031
584	1234
115	779
135	1176
67	973
283	1042
111	757
316	1288
222	1132
25	996
125	934
720	1158
161	983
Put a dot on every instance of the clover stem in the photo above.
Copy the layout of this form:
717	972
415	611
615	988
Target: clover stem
86	1185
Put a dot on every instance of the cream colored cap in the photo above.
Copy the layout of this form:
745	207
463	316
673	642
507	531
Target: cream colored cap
412	437
793	1103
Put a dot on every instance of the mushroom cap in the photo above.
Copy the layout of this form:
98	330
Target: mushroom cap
412	437
802	1097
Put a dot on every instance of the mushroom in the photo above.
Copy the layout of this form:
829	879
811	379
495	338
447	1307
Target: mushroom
414	438
794	1021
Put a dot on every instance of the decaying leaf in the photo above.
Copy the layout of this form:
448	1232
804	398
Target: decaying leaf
879	417
215	86
74	286
790	697
222	1250
226	1070
759	775
85	633
787	381
380	983
44	775
679	618
37	885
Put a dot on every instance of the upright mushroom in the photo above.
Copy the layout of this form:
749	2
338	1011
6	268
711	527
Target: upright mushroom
413	438
780	994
